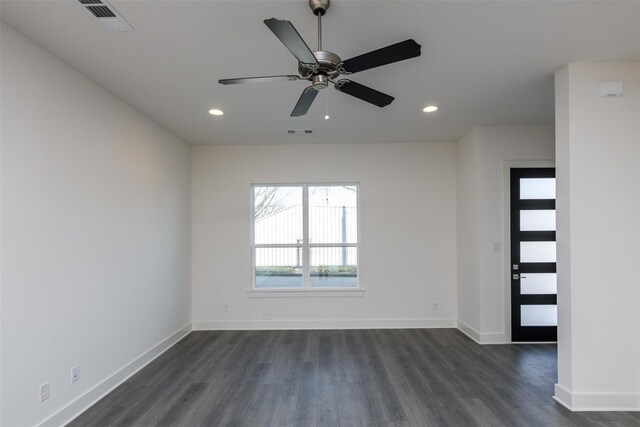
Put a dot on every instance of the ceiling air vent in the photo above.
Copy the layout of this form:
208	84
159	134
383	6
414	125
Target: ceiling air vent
303	131
101	12
108	17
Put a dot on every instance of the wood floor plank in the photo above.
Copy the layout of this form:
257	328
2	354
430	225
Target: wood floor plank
348	378
328	414
285	411
307	404
387	396
181	407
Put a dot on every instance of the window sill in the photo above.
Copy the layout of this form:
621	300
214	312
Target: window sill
304	293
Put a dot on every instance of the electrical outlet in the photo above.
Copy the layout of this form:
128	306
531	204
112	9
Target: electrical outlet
435	306
266	316
225	308
75	373
44	392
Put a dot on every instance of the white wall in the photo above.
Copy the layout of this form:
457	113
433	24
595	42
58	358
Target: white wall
482	156
1	271
408	234
95	243
598	169
468	229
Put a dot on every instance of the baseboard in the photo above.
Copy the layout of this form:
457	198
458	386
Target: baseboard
323	324
82	403
481	338
597	401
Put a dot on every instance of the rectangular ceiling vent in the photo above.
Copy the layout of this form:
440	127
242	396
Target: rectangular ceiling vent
108	17
300	131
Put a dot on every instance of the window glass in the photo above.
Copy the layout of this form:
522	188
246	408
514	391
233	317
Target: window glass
278	268
539	315
538	283
333	214
277	212
537	251
334	267
538	220
537	188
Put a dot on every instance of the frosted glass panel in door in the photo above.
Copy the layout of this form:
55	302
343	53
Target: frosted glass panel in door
538	220
537	188
538	283
537	251
539	315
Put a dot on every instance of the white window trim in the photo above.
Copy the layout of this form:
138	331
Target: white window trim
306	290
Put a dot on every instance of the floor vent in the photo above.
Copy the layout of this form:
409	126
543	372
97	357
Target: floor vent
108	17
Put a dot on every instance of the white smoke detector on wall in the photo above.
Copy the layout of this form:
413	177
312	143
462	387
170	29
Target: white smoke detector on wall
610	89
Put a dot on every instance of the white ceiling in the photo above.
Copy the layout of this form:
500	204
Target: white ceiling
482	63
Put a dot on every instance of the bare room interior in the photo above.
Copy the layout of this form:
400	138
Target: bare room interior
313	213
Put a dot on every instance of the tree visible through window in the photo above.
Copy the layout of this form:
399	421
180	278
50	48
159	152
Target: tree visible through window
305	236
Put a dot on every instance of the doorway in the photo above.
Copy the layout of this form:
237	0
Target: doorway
534	309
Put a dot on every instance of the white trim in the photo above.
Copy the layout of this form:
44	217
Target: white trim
311	245
304	293
306	252
482	338
88	399
308	324
597	401
507	165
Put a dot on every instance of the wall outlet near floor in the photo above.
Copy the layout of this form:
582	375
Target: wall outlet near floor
75	373
266	316
44	392
435	306
225	308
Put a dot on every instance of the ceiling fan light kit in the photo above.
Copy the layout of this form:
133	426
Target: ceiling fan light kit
322	68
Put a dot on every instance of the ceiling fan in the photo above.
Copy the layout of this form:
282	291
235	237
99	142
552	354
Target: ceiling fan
323	67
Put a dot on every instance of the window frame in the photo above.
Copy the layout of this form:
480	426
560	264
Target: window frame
306	247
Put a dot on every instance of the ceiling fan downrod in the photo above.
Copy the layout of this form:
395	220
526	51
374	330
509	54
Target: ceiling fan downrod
319	8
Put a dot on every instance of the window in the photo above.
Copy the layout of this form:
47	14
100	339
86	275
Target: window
305	236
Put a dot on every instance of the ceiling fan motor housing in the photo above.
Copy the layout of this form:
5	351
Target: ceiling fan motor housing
328	65
319	7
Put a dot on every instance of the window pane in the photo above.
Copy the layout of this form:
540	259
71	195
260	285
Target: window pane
279	267
538	220
333	216
334	267
537	188
277	214
538	283
537	251
539	315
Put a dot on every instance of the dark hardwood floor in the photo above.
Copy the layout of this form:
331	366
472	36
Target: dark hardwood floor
421	377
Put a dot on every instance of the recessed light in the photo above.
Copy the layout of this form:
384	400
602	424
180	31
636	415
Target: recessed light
430	109
216	112
326	117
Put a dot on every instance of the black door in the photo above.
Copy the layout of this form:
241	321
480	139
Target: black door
534	309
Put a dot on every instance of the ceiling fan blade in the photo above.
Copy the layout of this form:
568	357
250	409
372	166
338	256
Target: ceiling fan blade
364	93
289	36
258	79
305	101
386	55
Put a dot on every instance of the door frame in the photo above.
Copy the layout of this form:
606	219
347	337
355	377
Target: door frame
507	165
